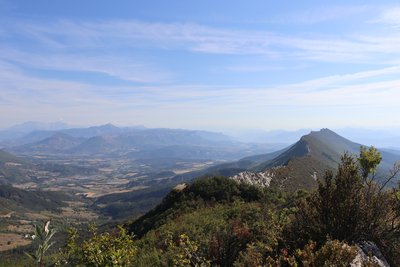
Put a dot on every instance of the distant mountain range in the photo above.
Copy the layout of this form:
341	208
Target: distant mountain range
23	129
57	142
135	143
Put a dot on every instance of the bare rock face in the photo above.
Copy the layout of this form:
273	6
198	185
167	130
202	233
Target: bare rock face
180	187
369	252
262	179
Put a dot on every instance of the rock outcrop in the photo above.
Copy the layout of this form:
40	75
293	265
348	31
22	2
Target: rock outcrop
262	179
368	252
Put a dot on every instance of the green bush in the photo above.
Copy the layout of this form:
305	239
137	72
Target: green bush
335	254
115	249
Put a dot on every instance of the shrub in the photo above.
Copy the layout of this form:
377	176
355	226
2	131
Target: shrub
335	254
105	249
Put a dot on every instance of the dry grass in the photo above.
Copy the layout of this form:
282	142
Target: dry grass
29	185
37	216
7	215
77	214
105	192
21	228
10	241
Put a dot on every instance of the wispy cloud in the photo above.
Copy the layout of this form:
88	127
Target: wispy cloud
389	16
333	81
14	79
315	15
351	91
205	39
112	65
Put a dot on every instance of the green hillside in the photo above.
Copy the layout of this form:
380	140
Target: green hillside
298	165
58	142
18	200
7	157
13	169
216	189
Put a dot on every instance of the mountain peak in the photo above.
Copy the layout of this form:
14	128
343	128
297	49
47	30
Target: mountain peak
326	136
324	131
107	126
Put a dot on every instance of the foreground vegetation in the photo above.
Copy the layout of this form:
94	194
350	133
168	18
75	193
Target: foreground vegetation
219	222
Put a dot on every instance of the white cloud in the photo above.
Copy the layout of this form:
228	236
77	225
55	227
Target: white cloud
390	16
337	80
315	15
82	103
198	38
115	66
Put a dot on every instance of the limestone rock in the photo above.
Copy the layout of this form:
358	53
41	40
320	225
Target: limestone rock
368	251
262	179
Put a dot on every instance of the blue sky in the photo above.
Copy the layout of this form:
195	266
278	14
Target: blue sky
201	64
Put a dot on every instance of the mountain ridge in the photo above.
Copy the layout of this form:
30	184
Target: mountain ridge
298	165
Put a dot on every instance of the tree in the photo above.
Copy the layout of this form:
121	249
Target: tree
369	160
346	206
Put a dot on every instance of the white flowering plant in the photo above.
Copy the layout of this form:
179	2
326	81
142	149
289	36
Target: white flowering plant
43	235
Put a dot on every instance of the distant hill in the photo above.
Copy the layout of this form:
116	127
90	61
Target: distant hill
38	134
32	137
170	137
149	139
138	143
18	200
312	155
20	130
98	145
298	165
135	143
6	157
12	168
109	138
93	131
57	142
325	146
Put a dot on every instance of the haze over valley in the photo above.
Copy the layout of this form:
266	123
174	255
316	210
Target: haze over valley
115	172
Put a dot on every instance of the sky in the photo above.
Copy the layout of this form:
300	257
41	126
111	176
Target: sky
212	65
